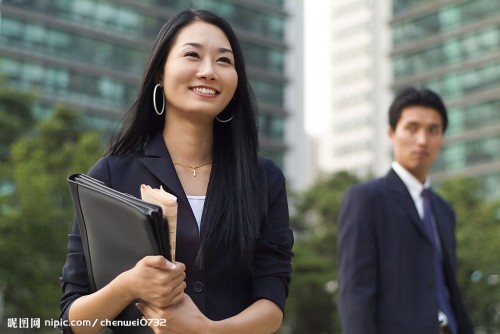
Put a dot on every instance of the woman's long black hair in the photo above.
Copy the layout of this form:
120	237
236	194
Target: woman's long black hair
236	201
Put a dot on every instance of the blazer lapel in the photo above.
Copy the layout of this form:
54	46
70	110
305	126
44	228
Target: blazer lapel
440	215
158	161
400	194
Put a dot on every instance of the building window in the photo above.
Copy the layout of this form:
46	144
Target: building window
458	155
459	84
272	126
447	18
267	92
473	116
453	51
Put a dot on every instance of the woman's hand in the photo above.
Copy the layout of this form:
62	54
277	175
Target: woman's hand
262	317
156	281
183	317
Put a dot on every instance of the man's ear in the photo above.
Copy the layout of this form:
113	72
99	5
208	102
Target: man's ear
390	133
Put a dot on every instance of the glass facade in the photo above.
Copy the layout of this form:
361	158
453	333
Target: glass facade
450	17
91	53
482	43
454	48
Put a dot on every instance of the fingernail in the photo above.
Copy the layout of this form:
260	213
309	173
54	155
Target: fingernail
170	265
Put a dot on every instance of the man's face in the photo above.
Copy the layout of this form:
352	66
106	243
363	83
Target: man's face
417	139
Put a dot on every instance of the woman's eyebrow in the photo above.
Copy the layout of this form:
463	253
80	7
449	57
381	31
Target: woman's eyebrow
200	46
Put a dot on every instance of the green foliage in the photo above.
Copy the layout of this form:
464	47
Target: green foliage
478	247
16	119
34	228
311	304
319	206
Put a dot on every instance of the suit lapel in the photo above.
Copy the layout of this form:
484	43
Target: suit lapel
158	161
442	220
401	195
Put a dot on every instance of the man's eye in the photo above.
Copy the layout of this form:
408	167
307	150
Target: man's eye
411	128
435	130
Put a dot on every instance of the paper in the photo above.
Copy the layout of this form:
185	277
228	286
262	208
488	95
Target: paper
168	204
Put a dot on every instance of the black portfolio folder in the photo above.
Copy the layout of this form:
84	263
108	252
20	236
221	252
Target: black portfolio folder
117	230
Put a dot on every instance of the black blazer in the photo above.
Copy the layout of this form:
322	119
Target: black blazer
386	273
222	290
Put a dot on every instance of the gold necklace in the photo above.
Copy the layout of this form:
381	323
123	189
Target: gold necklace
192	167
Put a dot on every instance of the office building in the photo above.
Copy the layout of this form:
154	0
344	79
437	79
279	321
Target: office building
90	54
453	47
355	139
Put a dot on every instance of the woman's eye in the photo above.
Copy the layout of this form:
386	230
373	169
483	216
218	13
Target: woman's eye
192	54
225	60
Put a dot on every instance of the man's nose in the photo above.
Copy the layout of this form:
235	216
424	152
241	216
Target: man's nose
422	137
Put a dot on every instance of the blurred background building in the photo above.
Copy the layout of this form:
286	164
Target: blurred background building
355	139
90	54
453	47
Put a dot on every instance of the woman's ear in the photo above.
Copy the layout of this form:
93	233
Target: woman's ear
159	77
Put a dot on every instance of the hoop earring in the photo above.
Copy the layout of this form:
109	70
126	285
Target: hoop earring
154	101
224	120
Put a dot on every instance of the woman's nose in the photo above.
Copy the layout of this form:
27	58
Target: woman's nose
207	71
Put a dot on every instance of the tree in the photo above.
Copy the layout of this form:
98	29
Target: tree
478	246
311	303
33	232
16	119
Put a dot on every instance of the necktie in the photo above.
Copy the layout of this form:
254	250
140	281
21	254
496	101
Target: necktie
444	303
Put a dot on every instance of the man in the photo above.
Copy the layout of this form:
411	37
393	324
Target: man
396	240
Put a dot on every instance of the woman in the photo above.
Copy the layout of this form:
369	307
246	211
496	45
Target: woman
192	130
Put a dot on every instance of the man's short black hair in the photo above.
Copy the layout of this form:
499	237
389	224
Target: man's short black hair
416	96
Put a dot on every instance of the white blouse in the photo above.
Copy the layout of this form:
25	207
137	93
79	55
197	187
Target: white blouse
197	203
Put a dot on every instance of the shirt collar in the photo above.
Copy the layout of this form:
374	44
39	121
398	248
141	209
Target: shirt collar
414	186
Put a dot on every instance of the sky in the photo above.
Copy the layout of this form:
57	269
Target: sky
316	65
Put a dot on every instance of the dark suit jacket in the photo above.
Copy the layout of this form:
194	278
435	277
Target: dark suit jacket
222	290
386	273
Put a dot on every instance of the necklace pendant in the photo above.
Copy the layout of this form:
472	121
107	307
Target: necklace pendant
194	172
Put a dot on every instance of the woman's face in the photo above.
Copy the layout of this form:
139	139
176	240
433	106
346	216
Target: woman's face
199	77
